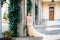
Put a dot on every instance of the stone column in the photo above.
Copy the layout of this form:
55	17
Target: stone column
25	15
33	11
0	21
40	12
21	25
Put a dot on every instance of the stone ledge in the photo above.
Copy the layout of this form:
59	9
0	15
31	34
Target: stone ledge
27	38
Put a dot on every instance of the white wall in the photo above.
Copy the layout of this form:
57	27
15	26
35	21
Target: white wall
46	0
57	11
46	11
49	0
57	0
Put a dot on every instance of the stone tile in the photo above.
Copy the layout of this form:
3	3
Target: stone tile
34	38
27	38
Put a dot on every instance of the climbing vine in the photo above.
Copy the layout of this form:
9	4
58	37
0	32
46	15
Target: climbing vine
2	2
14	16
29	6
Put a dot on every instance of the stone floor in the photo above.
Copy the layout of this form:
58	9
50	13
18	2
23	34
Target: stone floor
52	30
51	37
50	34
28	38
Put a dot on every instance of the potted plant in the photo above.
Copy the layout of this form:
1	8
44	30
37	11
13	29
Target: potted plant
5	16
7	35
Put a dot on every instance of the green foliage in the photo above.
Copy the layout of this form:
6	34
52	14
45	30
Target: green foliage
7	33
2	2
5	16
14	16
29	6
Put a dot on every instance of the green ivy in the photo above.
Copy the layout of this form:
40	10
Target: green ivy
14	16
2	2
29	6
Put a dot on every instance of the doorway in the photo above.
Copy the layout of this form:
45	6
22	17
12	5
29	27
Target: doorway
51	13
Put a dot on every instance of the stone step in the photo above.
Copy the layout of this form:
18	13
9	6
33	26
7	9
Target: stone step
51	23
28	38
49	30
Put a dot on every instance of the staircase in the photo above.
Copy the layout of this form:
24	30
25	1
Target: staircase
51	23
50	29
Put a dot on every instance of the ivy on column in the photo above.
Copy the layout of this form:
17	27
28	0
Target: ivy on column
14	16
29	6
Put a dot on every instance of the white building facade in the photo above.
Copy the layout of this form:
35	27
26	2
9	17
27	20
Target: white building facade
48	10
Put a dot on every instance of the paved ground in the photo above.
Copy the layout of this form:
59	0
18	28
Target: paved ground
50	30
28	38
51	23
25	38
49	34
51	37
53	32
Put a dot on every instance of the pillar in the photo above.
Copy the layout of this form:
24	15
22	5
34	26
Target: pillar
40	12
0	21
25	15
22	24
33	11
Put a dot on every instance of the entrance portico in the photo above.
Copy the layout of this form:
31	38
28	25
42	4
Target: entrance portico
49	11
